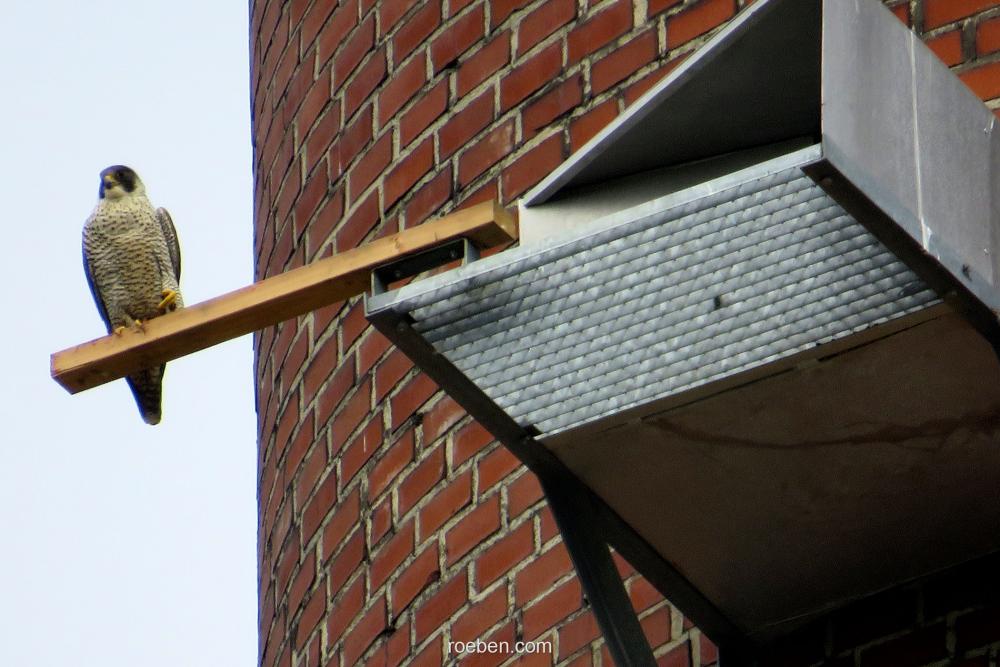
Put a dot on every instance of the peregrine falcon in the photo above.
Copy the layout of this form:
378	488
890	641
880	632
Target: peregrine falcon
133	266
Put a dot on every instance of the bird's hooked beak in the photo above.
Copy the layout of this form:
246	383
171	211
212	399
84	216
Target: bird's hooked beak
109	181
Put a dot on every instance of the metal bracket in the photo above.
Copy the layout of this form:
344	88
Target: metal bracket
411	265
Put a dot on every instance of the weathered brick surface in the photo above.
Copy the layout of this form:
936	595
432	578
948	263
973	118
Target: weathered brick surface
389	520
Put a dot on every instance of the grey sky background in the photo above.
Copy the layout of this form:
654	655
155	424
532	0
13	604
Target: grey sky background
124	544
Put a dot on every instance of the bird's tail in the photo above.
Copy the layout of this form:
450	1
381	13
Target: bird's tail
147	387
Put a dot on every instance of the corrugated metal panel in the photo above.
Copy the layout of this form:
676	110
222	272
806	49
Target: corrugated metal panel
566	332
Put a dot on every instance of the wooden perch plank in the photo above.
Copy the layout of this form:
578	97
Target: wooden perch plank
269	301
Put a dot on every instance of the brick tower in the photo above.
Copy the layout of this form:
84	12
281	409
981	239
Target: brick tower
391	525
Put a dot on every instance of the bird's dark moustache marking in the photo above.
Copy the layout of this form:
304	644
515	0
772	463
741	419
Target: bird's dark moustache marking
124	175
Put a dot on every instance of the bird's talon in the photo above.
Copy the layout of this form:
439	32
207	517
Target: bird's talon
118	331
169	299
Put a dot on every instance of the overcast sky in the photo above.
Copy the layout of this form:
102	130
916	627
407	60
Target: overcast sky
122	543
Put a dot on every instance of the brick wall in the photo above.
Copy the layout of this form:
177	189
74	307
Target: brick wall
390	522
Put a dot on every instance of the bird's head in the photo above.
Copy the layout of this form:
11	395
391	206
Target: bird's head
118	181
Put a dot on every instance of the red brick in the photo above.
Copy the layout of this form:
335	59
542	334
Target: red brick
917	648
303	582
658	6
319	140
364	83
939	12
554	607
531	167
361	636
465	123
545	20
394	649
428	108
429	197
317	235
371	165
987	36
391	555
417	576
402	86
655	633
509	551
680	656
303	441
360	449
312	196
415	393
359	224
310	618
576	634
471	530
415	31
541	573
496	466
372	349
335	391
642	86
345	517
431	656
434	611
583	129
902	12
331	28
352	414
379	521
390	465
643	594
947	47
445	504
391	12
599	30
407	172
318	506
552	105
445	414
420	480
353	325
480	617
483	63
312	470
697	20
531	75
523	493
501	9
344	610
457	38
389	372
355	137
469	441
350	51
343	565
489	150
623	62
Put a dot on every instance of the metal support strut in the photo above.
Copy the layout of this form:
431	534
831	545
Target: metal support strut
573	510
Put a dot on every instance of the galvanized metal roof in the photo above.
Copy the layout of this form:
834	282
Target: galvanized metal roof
662	298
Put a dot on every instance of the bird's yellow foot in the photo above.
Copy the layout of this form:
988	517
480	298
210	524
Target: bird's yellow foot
118	331
169	299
